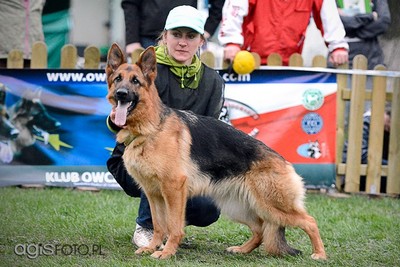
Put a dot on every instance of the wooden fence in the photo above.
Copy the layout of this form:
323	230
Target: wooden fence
379	95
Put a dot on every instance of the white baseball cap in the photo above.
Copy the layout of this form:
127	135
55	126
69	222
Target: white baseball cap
185	16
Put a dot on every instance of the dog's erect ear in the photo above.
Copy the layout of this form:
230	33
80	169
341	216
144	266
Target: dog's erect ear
148	64
115	58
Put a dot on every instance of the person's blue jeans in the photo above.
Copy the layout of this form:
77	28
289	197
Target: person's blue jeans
200	211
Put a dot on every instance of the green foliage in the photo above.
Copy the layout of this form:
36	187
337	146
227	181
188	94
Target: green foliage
357	231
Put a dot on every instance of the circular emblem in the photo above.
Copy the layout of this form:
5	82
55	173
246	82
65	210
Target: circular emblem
313	99
312	123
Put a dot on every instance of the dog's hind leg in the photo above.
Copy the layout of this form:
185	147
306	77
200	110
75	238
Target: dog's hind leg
253	243
308	224
275	242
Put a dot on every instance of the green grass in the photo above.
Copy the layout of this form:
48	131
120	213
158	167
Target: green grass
357	231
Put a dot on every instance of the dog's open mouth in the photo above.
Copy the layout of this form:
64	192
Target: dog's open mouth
121	112
124	107
40	132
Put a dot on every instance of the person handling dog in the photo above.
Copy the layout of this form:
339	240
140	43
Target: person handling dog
185	83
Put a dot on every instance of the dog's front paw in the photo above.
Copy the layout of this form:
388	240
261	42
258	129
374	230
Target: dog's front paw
162	255
234	249
319	256
144	250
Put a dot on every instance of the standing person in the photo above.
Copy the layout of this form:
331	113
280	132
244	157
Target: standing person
144	20
275	26
183	82
21	26
365	142
56	28
362	31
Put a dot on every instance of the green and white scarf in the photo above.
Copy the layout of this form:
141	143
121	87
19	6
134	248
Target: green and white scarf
185	72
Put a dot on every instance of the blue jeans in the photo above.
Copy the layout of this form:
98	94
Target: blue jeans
200	211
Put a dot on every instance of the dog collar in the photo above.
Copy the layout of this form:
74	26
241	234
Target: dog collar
129	140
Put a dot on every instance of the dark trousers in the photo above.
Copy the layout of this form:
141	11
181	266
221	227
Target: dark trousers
200	211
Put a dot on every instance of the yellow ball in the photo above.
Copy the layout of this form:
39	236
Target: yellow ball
244	62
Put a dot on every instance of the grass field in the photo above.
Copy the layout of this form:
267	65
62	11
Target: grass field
64	227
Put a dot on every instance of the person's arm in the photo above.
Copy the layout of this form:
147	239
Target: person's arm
214	16
115	163
327	20
216	99
116	167
131	10
352	24
230	33
379	24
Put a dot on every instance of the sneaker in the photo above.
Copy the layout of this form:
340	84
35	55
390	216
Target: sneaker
142	236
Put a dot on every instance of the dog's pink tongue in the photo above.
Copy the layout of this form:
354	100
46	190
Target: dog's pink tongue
120	113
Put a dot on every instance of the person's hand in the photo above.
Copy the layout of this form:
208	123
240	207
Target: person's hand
132	47
375	15
339	56
230	51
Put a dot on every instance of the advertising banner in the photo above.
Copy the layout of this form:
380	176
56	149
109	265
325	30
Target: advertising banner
293	112
53	130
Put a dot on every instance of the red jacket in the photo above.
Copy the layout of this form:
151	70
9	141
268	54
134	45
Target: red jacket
268	26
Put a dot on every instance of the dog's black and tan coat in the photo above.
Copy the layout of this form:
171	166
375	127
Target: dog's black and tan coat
175	154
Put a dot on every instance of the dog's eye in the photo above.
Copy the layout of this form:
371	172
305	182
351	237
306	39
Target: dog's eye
118	78
135	81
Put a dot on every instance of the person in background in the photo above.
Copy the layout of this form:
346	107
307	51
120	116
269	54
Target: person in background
364	145
21	26
275	26
183	82
144	20
56	28
362	31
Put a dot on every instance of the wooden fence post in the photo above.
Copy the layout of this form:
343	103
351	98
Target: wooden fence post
355	126
39	56
296	60
92	57
274	59
136	54
341	80
375	140
69	57
320	61
208	58
393	180
15	59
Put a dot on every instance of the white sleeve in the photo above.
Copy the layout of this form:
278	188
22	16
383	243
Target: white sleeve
334	31
233	14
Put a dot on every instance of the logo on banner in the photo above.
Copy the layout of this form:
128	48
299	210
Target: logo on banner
312	123
313	99
312	149
235	105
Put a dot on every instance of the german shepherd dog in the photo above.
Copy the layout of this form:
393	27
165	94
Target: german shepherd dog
174	154
8	131
31	118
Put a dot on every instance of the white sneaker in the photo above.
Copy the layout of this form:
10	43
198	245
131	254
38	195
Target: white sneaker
142	236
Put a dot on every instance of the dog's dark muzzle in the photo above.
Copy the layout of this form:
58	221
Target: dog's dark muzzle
123	96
